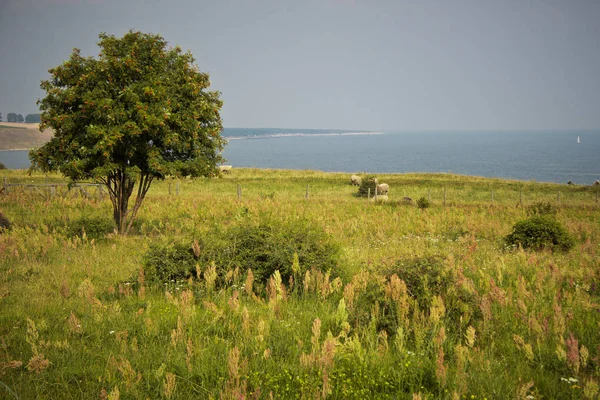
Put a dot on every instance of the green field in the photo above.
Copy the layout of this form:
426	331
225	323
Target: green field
421	303
11	127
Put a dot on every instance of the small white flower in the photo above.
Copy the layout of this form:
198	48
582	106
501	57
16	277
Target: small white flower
111	332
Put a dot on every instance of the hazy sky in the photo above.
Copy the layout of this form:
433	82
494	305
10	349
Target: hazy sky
378	65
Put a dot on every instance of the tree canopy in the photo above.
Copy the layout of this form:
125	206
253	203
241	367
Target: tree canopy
32	118
139	111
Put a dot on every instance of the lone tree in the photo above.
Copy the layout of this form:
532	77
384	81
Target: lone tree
140	111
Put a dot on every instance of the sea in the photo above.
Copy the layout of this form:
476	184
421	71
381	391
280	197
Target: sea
543	156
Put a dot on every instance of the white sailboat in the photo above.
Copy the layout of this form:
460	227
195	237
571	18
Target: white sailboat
578	140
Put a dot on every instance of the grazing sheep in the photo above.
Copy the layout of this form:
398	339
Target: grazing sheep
225	168
597	183
383	188
379	199
355	180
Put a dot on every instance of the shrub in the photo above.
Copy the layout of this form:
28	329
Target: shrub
94	227
539	232
427	277
542	208
270	246
423	203
4	223
369	182
169	262
265	248
2	166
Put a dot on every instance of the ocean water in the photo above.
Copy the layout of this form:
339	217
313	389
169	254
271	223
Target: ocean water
541	156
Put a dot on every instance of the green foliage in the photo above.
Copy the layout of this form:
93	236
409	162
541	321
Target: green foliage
368	184
264	247
542	208
270	246
169	262
14	117
2	166
93	227
141	110
32	118
540	232
423	203
4	222
427	277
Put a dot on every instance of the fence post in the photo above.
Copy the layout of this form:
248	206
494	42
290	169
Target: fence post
444	196
52	191
492	196
239	192
306	196
521	197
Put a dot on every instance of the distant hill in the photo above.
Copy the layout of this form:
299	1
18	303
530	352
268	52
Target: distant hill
22	136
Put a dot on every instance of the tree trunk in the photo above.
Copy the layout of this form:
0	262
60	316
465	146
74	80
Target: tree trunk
120	186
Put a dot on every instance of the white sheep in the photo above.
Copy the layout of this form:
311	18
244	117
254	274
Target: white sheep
355	180
383	188
379	199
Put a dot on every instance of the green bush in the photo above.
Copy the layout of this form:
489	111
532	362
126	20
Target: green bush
427	277
369	182
540	232
265	248
270	246
94	227
2	166
4	222
423	203
542	208
169	262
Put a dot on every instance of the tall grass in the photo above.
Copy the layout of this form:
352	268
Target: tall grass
79	320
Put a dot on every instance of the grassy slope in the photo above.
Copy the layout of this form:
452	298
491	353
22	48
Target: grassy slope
22	136
530	325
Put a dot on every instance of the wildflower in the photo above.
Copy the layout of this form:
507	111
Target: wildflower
38	364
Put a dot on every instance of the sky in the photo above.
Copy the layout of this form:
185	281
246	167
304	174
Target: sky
404	65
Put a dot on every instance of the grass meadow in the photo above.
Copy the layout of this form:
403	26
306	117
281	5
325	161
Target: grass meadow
422	303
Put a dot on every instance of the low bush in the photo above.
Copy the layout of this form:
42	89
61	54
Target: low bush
4	222
94	227
423	203
169	262
540	232
367	185
270	246
263	247
427	277
2	166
